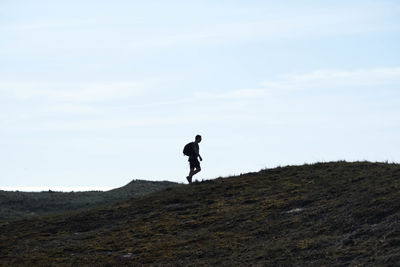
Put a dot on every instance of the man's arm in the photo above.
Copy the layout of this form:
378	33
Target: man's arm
196	151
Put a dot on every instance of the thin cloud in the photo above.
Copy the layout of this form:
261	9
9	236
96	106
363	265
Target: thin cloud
379	78
51	24
43	36
70	92
118	123
72	109
299	25
235	94
337	79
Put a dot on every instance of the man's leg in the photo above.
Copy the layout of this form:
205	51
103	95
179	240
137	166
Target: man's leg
197	170
191	173
194	168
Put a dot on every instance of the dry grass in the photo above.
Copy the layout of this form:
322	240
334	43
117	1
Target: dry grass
334	213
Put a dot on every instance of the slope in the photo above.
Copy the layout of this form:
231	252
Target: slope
22	204
335	213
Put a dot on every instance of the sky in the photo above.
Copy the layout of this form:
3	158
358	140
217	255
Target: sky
94	94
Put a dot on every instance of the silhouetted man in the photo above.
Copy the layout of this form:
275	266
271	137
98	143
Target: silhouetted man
194	162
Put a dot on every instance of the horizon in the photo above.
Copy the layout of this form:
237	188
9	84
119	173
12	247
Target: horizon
34	189
95	94
68	189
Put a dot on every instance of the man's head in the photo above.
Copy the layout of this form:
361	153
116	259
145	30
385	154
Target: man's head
198	138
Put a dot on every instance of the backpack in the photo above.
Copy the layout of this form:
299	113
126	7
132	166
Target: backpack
188	149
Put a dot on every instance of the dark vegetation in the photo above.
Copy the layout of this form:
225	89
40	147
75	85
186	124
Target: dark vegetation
335	214
22	204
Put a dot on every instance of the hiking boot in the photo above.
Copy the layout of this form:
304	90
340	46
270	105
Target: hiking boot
189	179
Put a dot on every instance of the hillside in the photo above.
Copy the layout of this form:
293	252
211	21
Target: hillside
335	213
22	204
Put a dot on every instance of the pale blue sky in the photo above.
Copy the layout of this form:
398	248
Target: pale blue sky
94	94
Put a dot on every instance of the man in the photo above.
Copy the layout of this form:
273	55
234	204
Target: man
194	162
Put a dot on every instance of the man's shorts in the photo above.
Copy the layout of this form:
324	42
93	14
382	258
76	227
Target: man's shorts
194	162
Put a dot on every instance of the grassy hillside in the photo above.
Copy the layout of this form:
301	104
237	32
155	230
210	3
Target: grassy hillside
23	204
334	213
